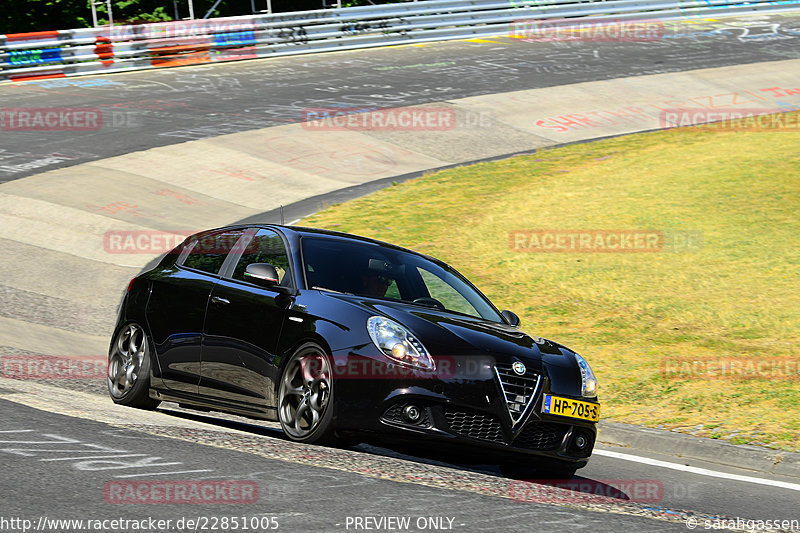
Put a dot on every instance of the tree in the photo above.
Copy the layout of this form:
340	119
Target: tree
42	15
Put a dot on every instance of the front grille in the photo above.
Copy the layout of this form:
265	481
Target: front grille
519	391
474	424
541	436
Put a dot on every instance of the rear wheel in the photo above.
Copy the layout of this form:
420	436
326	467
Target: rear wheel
305	397
129	368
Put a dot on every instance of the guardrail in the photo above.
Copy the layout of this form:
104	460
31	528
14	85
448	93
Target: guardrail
26	56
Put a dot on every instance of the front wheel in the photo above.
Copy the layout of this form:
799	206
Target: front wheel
129	368
305	397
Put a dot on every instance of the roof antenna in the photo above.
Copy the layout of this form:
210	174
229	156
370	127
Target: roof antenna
281	215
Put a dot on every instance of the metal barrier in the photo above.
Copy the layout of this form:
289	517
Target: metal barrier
26	56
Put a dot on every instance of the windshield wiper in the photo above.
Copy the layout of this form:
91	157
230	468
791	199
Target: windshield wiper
318	288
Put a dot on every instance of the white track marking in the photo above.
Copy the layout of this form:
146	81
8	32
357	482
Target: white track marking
696	470
162	473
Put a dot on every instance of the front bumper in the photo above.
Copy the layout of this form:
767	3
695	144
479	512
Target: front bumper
465	409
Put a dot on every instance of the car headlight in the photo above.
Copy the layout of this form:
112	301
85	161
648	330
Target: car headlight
398	344
588	381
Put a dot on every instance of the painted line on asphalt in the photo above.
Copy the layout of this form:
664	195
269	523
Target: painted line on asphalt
162	473
696	470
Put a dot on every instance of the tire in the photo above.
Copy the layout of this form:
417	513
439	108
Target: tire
305	397
552	470
129	368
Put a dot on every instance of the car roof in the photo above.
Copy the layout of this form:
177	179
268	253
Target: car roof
303	231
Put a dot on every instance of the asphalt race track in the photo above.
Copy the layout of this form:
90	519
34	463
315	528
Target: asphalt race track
64	445
296	494
155	108
57	460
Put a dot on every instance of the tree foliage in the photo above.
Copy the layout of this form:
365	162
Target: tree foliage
42	15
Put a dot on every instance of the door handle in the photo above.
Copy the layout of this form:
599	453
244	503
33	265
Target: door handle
219	301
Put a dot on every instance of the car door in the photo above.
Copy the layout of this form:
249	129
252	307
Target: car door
243	325
177	307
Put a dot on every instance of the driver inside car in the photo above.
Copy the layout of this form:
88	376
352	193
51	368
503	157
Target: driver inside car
375	283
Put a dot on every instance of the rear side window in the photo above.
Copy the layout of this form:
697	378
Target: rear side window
208	253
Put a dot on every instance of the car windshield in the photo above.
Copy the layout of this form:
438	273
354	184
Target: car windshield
368	269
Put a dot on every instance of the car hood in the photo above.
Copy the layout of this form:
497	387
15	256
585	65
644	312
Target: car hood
454	334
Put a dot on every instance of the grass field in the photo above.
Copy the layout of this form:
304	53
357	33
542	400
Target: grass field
724	287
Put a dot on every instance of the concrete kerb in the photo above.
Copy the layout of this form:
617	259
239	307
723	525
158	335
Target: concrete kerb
686	446
295	211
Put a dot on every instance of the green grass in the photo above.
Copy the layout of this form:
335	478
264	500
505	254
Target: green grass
732	293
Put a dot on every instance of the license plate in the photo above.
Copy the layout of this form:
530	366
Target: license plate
555	405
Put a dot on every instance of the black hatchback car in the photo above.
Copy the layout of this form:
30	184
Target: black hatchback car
343	337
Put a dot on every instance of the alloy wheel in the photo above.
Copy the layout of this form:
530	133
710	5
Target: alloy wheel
126	360
305	394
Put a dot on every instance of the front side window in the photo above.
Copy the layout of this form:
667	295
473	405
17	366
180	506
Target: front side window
208	253
443	290
266	247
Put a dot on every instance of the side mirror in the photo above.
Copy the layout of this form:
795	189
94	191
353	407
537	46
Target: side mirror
261	274
510	318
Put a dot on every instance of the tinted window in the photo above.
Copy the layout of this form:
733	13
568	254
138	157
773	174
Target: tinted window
371	270
208	253
266	247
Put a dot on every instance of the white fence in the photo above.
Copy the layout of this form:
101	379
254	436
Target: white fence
25	56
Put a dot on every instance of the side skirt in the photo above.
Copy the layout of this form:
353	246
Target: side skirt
203	403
